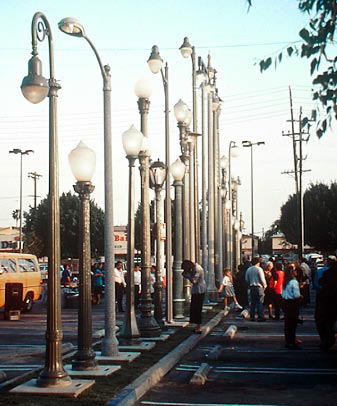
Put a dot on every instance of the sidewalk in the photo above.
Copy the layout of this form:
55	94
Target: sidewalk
133	380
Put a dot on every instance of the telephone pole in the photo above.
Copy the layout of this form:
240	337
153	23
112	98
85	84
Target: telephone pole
35	176
298	173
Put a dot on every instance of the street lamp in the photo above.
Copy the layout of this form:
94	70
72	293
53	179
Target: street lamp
181	112
21	152
155	65
232	153
35	88
147	324
178	172
72	26
187	50
82	162
157	179
249	144
132	143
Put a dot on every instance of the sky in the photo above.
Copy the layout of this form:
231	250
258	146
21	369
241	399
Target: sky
255	106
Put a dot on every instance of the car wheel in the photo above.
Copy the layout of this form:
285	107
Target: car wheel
28	303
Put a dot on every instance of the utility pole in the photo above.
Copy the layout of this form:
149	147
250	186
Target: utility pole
298	172
35	176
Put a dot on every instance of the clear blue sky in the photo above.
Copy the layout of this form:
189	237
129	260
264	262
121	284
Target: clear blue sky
256	106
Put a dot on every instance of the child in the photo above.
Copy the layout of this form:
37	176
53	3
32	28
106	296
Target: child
227	283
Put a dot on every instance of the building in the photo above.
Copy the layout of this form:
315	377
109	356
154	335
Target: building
9	239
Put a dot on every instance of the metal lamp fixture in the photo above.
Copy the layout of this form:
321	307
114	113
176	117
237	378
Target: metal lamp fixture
74	27
250	145
82	161
178	173
157	179
132	142
35	88
186	48
21	152
155	65
155	62
180	111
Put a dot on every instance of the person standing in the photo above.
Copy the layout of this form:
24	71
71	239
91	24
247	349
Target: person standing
195	274
227	285
305	280
326	305
257	284
98	283
66	276
138	284
291	306
119	285
278	278
268	293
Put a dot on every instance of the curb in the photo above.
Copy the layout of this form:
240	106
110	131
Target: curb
136	389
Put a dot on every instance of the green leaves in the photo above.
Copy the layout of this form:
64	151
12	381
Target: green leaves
264	64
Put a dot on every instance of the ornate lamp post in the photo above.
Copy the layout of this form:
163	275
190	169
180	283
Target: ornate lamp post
187	50
147	323
183	117
178	172
232	153
157	177
35	88
132	143
223	211
72	26
82	162
155	64
21	152
250	145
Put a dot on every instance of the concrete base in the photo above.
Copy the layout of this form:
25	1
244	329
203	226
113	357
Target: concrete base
122	358
162	337
142	347
177	323
75	389
99	371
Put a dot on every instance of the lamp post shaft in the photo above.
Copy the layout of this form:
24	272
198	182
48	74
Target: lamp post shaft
204	247
130	328
110	342
230	210
211	293
53	373
252	198
147	324
20	230
178	301
167	207
85	357
158	285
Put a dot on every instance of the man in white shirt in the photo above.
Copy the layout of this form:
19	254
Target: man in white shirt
257	284
138	284
119	285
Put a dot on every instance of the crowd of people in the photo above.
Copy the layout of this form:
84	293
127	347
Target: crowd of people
276	286
273	289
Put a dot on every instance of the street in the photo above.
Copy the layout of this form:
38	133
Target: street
252	368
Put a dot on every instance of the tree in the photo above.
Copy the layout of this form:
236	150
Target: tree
317	41
320	217
36	227
16	216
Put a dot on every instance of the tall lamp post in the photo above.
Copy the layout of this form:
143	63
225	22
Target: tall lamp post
132	143
35	88
187	50
223	211
82	162
249	144
155	64
232	153
178	172
157	179
147	323
73	27
21	152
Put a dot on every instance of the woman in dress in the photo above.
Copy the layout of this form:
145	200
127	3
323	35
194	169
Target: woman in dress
227	285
